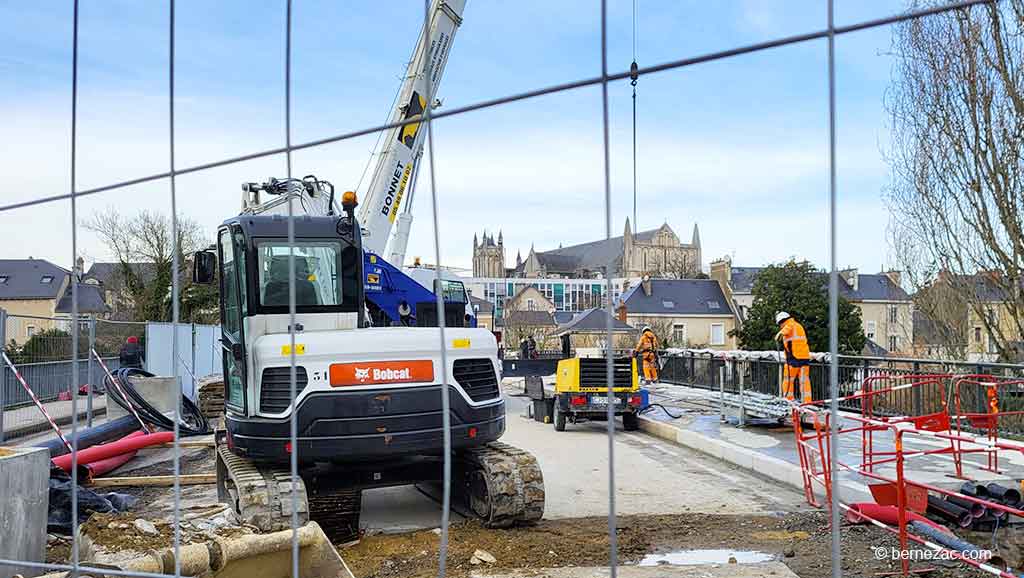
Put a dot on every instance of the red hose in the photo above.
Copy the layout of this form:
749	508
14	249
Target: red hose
98	468
887	515
122	446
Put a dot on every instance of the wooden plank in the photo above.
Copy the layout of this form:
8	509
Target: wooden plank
186	480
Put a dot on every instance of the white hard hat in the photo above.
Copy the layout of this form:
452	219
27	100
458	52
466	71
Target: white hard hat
646	328
781	316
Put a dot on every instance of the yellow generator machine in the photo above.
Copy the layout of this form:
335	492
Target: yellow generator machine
581	391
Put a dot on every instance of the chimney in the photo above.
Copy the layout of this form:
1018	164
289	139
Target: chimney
645	284
620	312
893	276
850	276
79	268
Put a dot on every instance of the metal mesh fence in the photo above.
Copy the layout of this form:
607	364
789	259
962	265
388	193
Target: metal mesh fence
52	347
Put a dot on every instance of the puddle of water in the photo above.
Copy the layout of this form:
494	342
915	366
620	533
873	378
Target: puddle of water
697	557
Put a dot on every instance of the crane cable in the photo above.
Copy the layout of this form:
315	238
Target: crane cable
633	75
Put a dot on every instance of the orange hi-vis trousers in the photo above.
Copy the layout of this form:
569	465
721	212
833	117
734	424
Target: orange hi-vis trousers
792	374
650	366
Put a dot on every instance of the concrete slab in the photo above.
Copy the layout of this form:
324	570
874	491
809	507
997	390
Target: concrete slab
774	569
24	480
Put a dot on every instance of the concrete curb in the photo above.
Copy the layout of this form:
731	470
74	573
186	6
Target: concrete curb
774	468
42	426
767	466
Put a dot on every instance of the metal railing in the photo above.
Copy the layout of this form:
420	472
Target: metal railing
764	375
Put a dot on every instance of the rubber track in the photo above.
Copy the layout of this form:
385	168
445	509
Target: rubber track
262	495
512	480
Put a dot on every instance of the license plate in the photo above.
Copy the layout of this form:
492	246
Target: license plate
602	400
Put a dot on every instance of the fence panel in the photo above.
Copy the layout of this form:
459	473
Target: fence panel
198	352
41	348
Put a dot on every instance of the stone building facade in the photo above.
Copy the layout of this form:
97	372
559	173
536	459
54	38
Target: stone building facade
657	253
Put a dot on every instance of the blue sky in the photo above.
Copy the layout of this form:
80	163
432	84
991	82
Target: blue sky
737	146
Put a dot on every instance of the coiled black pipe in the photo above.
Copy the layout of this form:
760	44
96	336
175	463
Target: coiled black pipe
192	421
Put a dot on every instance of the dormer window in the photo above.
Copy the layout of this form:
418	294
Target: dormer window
3	279
47	279
668	304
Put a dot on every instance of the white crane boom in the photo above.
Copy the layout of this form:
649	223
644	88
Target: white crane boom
402	146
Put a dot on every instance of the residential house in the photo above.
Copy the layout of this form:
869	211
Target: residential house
588	330
682	312
974	313
37	296
484	312
109	278
528	313
886	309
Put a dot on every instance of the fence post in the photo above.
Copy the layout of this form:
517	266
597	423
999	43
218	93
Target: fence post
3	371
721	389
918	399
89	370
743	403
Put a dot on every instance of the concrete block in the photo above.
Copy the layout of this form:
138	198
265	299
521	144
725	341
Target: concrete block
161	392
24	484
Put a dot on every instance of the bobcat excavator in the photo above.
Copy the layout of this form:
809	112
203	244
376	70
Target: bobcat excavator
368	407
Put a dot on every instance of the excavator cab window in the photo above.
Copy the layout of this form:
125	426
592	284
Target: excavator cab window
233	305
316	266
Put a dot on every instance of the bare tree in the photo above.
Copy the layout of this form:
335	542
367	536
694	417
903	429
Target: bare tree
142	245
957	106
677	265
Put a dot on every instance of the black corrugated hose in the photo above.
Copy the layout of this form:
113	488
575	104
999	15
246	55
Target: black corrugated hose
193	422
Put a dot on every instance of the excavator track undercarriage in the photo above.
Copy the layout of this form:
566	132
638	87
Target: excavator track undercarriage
498	483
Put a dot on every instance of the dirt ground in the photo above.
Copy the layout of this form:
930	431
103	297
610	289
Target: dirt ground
800	540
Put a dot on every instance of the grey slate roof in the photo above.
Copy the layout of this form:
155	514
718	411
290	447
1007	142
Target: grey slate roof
592	256
742	280
678	297
872	349
529	318
562	317
90	300
105	272
482	306
871	287
24	279
876	287
591	321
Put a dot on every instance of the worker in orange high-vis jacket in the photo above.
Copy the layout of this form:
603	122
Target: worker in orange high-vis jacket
647	349
798	356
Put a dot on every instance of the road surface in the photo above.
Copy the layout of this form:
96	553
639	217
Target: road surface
652	477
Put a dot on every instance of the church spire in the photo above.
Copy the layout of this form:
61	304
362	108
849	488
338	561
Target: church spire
500	241
627	232
696	236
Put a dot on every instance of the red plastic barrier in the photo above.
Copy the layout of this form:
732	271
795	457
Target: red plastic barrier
121	446
886	515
